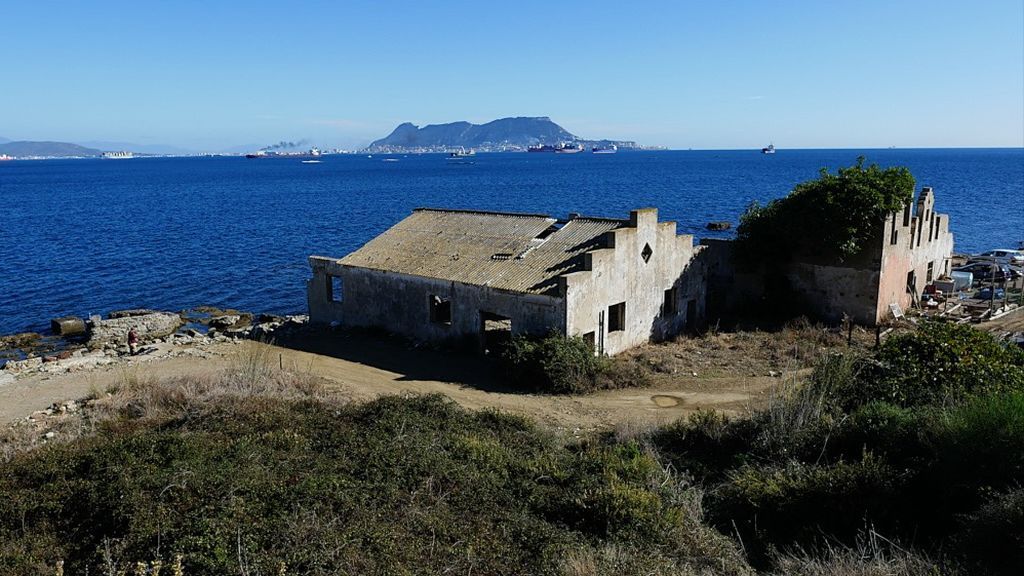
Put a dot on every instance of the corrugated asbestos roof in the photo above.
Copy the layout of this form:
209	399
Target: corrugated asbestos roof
505	251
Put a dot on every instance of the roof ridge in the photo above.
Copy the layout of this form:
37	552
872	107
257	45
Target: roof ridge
486	212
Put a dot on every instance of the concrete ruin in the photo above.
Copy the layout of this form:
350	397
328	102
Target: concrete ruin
909	250
476	277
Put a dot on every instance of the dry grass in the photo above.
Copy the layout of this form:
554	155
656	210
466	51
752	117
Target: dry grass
873	556
746	353
256	372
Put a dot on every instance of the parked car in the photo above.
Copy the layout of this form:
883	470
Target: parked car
984	271
1002	256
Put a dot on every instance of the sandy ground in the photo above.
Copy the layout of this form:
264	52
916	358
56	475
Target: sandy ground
362	369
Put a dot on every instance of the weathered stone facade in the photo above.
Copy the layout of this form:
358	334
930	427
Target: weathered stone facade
472	276
910	249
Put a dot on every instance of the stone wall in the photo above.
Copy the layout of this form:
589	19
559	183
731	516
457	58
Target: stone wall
148	326
401	303
639	265
862	288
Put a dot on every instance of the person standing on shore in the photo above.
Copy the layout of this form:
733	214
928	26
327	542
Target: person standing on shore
133	341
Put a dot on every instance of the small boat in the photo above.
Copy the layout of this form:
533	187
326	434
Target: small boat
770	149
390	160
311	161
610	149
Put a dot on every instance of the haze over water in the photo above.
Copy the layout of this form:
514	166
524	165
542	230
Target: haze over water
90	236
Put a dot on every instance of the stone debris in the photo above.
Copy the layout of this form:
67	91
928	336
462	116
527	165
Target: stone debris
159	339
148	326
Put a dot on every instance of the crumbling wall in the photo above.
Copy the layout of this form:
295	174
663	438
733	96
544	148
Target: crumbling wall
914	240
640	263
401	303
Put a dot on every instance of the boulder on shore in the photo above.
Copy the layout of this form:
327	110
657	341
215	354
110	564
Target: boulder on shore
67	326
149	327
721	225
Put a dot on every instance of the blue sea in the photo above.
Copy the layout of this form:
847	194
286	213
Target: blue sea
90	236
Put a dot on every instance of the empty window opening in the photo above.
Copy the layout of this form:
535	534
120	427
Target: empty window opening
691	314
335	288
589	338
669	307
495	331
911	283
931	272
646	252
906	215
440	310
895	233
617	317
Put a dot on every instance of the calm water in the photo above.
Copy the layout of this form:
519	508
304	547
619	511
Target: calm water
90	236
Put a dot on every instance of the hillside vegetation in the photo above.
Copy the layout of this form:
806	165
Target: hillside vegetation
879	463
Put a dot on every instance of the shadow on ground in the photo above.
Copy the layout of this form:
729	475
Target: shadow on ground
399	356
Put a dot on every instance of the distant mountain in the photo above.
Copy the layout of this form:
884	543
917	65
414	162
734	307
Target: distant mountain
22	149
504	134
4	140
137	148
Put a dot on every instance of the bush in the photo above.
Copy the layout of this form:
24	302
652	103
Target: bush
992	538
939	363
394	486
777	505
833	216
556	364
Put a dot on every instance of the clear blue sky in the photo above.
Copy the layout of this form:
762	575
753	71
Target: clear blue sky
736	74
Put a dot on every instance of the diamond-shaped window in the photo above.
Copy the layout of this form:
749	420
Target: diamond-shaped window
646	252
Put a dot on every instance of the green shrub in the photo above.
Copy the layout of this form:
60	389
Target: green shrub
991	539
555	363
833	216
802	503
394	486
939	363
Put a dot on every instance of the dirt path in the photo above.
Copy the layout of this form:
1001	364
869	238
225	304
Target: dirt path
362	369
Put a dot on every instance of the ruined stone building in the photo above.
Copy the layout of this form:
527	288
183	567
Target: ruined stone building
909	250
474	277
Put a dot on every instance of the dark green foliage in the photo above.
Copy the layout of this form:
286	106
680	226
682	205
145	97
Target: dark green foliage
799	502
993	535
939	363
555	363
394	486
907	442
831	217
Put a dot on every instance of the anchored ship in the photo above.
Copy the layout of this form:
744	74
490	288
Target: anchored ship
610	149
118	155
770	149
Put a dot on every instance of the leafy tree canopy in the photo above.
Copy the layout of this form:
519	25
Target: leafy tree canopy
833	216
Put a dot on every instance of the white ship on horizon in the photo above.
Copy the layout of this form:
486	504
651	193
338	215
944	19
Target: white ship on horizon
118	155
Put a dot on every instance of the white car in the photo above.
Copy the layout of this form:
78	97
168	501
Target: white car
1004	256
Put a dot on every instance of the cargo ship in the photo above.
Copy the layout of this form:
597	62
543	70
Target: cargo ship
560	148
118	155
568	148
610	149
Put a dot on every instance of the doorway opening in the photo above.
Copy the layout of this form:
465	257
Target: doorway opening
495	332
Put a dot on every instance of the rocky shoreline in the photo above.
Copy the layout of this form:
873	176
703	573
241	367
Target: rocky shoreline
78	344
